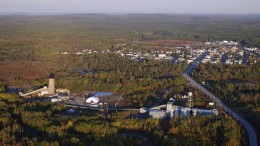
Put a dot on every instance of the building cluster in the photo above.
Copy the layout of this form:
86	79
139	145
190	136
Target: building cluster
225	52
231	56
84	51
101	100
155	54
169	110
56	95
224	42
222	54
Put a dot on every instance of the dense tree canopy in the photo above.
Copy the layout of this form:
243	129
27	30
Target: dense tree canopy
237	85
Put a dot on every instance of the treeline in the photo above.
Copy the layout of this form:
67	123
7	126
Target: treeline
237	85
43	123
34	36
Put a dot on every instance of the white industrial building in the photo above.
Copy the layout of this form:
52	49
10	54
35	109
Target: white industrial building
170	110
161	56
92	100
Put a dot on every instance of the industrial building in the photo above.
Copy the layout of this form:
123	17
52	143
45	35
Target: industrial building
49	90
170	110
92	100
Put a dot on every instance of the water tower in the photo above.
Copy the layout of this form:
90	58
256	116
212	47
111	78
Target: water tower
51	87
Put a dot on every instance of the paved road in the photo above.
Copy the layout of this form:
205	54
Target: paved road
175	59
250	130
224	58
196	62
245	58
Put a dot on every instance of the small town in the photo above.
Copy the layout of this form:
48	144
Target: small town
225	52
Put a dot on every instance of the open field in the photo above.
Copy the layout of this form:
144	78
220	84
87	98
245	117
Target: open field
26	70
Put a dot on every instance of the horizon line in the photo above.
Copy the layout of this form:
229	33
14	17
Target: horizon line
69	13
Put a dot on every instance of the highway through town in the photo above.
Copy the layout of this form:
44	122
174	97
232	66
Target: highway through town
250	130
224	58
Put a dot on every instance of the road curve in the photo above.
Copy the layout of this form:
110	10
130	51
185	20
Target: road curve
250	130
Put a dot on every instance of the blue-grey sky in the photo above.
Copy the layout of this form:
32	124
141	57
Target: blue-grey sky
131	6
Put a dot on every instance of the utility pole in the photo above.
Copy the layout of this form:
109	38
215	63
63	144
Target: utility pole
118	100
190	99
83	99
106	106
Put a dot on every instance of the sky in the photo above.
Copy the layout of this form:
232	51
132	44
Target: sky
132	6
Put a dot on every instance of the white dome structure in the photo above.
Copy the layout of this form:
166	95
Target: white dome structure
92	100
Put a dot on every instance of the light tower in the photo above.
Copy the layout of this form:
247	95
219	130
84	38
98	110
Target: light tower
190	99
51	86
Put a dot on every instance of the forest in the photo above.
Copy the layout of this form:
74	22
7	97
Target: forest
238	86
137	80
